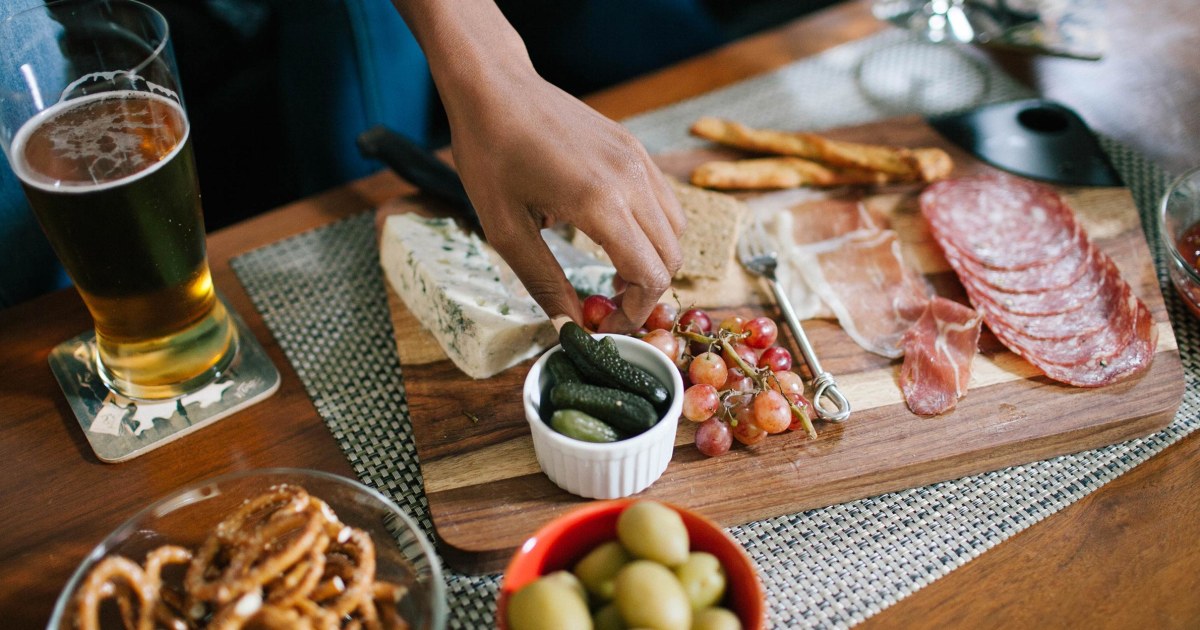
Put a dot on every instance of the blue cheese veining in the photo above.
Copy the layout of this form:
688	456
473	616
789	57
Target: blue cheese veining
459	290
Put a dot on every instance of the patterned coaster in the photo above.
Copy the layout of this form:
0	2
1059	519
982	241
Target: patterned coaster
322	295
119	429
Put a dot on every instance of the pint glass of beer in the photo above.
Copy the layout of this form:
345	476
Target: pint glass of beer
93	123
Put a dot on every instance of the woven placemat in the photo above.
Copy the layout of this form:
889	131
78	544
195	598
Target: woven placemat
322	295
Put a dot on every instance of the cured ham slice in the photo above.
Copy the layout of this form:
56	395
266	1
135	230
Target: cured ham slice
938	350
1041	285
805	223
875	296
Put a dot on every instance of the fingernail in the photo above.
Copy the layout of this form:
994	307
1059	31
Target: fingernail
559	321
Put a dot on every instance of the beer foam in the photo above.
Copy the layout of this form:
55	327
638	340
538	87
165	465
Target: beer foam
94	142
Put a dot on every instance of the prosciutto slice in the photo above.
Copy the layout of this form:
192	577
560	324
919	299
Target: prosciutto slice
875	296
938	350
1041	285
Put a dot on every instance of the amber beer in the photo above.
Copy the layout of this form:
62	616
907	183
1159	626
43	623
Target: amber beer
112	180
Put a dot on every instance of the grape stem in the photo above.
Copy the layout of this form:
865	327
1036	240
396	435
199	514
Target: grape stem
761	382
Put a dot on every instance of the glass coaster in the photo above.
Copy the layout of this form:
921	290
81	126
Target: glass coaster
120	429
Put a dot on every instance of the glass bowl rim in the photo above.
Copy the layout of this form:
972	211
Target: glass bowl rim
438	612
1168	241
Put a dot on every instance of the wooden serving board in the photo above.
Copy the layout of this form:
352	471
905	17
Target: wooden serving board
486	493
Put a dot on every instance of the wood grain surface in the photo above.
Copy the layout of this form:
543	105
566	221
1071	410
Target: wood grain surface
484	485
1124	556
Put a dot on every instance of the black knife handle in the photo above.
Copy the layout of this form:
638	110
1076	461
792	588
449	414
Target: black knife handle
418	166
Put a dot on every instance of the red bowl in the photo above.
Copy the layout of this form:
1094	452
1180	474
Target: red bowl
565	540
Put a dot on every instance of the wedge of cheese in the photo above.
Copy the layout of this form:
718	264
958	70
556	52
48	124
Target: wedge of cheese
460	291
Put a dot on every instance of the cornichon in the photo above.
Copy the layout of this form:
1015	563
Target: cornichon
576	424
600	364
624	411
560	369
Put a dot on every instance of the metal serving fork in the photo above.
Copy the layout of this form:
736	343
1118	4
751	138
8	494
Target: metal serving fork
759	257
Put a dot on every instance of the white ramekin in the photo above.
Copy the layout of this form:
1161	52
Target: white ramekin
615	469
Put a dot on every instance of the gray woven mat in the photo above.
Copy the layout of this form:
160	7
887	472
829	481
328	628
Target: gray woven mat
322	295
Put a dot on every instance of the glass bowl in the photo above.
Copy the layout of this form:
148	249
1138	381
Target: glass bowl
403	555
1178	214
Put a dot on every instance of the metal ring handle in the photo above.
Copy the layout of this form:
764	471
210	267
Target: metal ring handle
825	387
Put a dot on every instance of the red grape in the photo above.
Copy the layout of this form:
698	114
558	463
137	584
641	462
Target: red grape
745	352
664	341
771	411
595	309
762	331
713	437
695	320
777	358
710	368
746	431
733	324
662	316
700	402
736	380
790	385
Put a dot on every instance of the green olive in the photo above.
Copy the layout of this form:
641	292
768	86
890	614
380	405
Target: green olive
649	596
569	580
597	569
609	618
548	604
703	579
653	531
716	619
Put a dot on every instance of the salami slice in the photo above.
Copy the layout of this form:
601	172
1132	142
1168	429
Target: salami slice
1000	221
1051	302
1058	272
1043	289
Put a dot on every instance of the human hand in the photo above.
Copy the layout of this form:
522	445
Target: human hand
532	156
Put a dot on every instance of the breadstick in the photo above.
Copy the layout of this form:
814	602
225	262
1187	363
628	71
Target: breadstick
781	172
898	163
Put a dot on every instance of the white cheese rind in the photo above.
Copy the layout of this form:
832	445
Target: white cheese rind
448	281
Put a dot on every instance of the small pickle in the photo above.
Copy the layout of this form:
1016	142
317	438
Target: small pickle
548	604
599	568
649	596
653	531
580	426
716	619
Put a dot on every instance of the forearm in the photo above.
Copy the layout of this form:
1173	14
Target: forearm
469	44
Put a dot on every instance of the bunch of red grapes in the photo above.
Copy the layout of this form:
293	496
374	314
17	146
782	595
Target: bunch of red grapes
740	385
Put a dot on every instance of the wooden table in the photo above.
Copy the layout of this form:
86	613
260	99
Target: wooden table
1127	555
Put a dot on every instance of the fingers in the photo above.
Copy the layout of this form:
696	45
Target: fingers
666	199
638	263
516	237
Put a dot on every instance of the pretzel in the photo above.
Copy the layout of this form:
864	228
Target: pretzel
102	583
281	560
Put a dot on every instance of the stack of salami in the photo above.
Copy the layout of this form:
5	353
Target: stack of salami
1043	288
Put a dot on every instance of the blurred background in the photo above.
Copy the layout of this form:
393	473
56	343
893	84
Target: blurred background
277	90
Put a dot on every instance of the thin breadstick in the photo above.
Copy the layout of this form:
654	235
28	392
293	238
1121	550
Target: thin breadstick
781	172
898	163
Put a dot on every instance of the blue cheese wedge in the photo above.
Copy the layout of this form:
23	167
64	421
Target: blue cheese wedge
462	292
